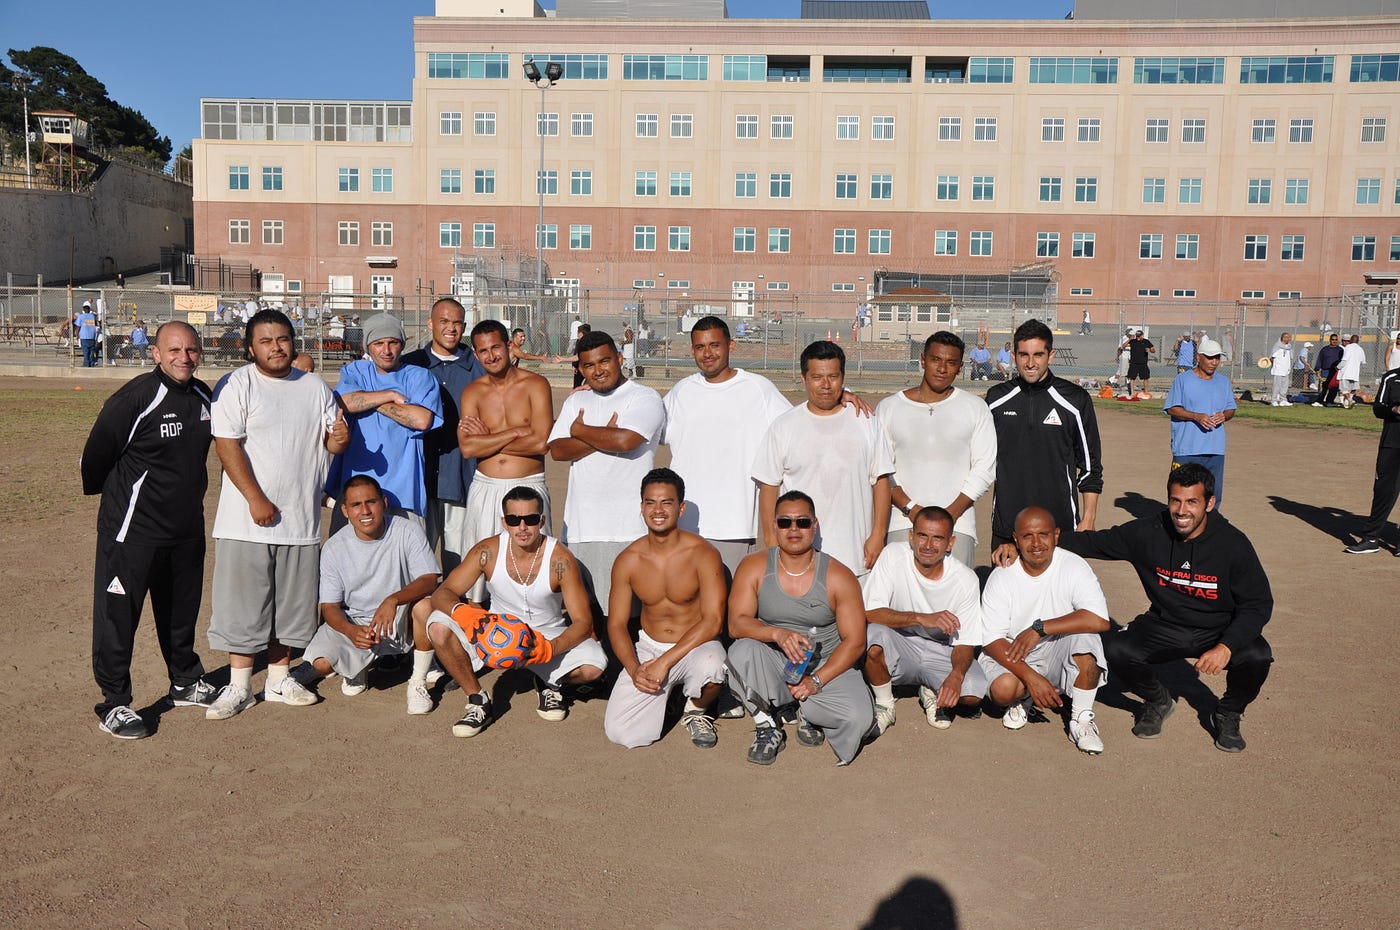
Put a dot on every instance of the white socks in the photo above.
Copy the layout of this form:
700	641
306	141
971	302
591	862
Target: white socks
1080	701
884	694
762	719
422	661
243	677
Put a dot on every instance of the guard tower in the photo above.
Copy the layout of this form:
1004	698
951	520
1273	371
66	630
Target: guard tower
66	139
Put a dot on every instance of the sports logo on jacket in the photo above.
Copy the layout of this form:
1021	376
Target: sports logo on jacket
1052	418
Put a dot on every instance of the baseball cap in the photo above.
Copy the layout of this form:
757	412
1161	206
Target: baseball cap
1307	345
1137	332
1209	348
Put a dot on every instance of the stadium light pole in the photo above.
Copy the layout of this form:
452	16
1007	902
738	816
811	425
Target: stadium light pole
544	80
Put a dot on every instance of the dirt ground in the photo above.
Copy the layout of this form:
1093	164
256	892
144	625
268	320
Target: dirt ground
351	813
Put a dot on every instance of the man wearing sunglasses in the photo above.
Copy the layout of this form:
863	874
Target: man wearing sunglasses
679	579
529	576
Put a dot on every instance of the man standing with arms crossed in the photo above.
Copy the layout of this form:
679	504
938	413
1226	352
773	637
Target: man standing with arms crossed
147	455
447	473
1200	403
679	579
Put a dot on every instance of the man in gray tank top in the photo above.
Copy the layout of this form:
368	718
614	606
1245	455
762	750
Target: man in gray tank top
779	596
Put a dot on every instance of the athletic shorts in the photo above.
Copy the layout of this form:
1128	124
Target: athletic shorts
917	660
1138	371
263	592
1053	657
347	659
634	718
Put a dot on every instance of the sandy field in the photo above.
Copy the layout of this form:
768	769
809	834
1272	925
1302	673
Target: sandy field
350	813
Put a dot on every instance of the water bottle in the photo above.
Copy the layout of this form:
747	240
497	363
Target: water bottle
793	671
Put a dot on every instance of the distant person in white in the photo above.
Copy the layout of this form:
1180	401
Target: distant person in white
1349	372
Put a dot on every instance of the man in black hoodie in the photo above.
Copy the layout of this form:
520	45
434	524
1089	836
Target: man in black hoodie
1209	601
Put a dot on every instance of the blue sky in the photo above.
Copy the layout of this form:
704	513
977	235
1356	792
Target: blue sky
161	58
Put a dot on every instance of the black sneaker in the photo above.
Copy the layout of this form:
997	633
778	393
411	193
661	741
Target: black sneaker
767	743
477	718
1149	721
807	734
701	729
199	694
552	706
1227	731
124	723
1365	546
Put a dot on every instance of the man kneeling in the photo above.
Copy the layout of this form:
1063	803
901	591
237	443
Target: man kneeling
1042	615
529	576
679	579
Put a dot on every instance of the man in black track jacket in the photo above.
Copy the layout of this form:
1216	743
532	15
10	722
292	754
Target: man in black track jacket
1209	600
1047	443
1387	485
147	455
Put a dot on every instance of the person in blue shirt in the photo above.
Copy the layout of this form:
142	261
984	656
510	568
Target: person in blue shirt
981	363
1185	353
1004	368
87	335
1201	401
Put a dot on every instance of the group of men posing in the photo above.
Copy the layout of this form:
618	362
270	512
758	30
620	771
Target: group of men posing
779	531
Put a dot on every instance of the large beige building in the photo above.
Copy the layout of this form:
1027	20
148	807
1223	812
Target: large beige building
1215	160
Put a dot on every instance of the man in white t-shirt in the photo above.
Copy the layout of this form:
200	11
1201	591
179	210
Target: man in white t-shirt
1349	371
275	428
925	621
944	445
608	437
838	458
1042	616
1281	370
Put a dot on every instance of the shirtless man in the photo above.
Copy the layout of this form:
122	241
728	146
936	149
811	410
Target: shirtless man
506	417
517	349
679	579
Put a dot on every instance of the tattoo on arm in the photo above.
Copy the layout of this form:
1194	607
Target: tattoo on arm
482	561
558	569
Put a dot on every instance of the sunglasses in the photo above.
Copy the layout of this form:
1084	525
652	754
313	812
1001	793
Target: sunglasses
802	523
529	519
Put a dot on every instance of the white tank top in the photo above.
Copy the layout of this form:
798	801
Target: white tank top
534	603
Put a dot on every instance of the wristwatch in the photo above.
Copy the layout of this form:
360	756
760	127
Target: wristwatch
906	508
1039	626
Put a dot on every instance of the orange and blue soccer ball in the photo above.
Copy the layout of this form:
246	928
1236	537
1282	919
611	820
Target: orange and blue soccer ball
504	641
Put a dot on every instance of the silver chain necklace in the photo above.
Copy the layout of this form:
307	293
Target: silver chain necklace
810	562
525	579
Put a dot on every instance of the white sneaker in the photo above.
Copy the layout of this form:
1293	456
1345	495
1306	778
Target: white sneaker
231	702
1316	404
1085	733
353	687
289	691
419	701
928	700
884	717
1285	403
435	674
1015	716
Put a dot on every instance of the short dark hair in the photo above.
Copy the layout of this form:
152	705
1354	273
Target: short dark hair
519	330
945	338
822	350
933	512
356	481
1190	474
1033	329
711	322
664	476
797	496
275	317
591	340
448	300
522	492
489	326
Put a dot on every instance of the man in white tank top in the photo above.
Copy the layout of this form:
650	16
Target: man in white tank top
529	576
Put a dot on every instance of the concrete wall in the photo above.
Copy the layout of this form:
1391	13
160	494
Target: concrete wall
127	216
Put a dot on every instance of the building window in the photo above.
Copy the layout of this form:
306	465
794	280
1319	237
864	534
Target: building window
1081	292
1193	130
980	243
780	185
843	241
1154	190
777	285
680	183
272	233
1290	295
484	180
450	180
1052	129
348	232
450	123
1397	190
1262	130
484	235
450	235
746	126
848	127
846	187
1256	248
1047	245
1150	245
645	184
1089	129
581	125
1158	130
547	182
1149	292
272	179
349	180
745	239
1300	130
381	234
1188	246
239	232
1292	250
477	65
1184	292
1286	69
483	124
665	67
1261	190
643	283
1295	190
779	239
983	187
1083	246
1086	190
581	237
882	187
581	183
238	177
991	70
780	127
843	287
879	241
1049	190
1363	248
1395	248
1188	190
678	239
1176	70
1368	68
882	128
682	125
746	184
984	129
1074	70
546	236
947	187
949	128
644	238
1251	295
381	180
1368	190
945	242
648	125
587	66
745	67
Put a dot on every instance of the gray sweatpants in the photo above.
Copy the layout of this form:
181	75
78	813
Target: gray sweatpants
843	709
